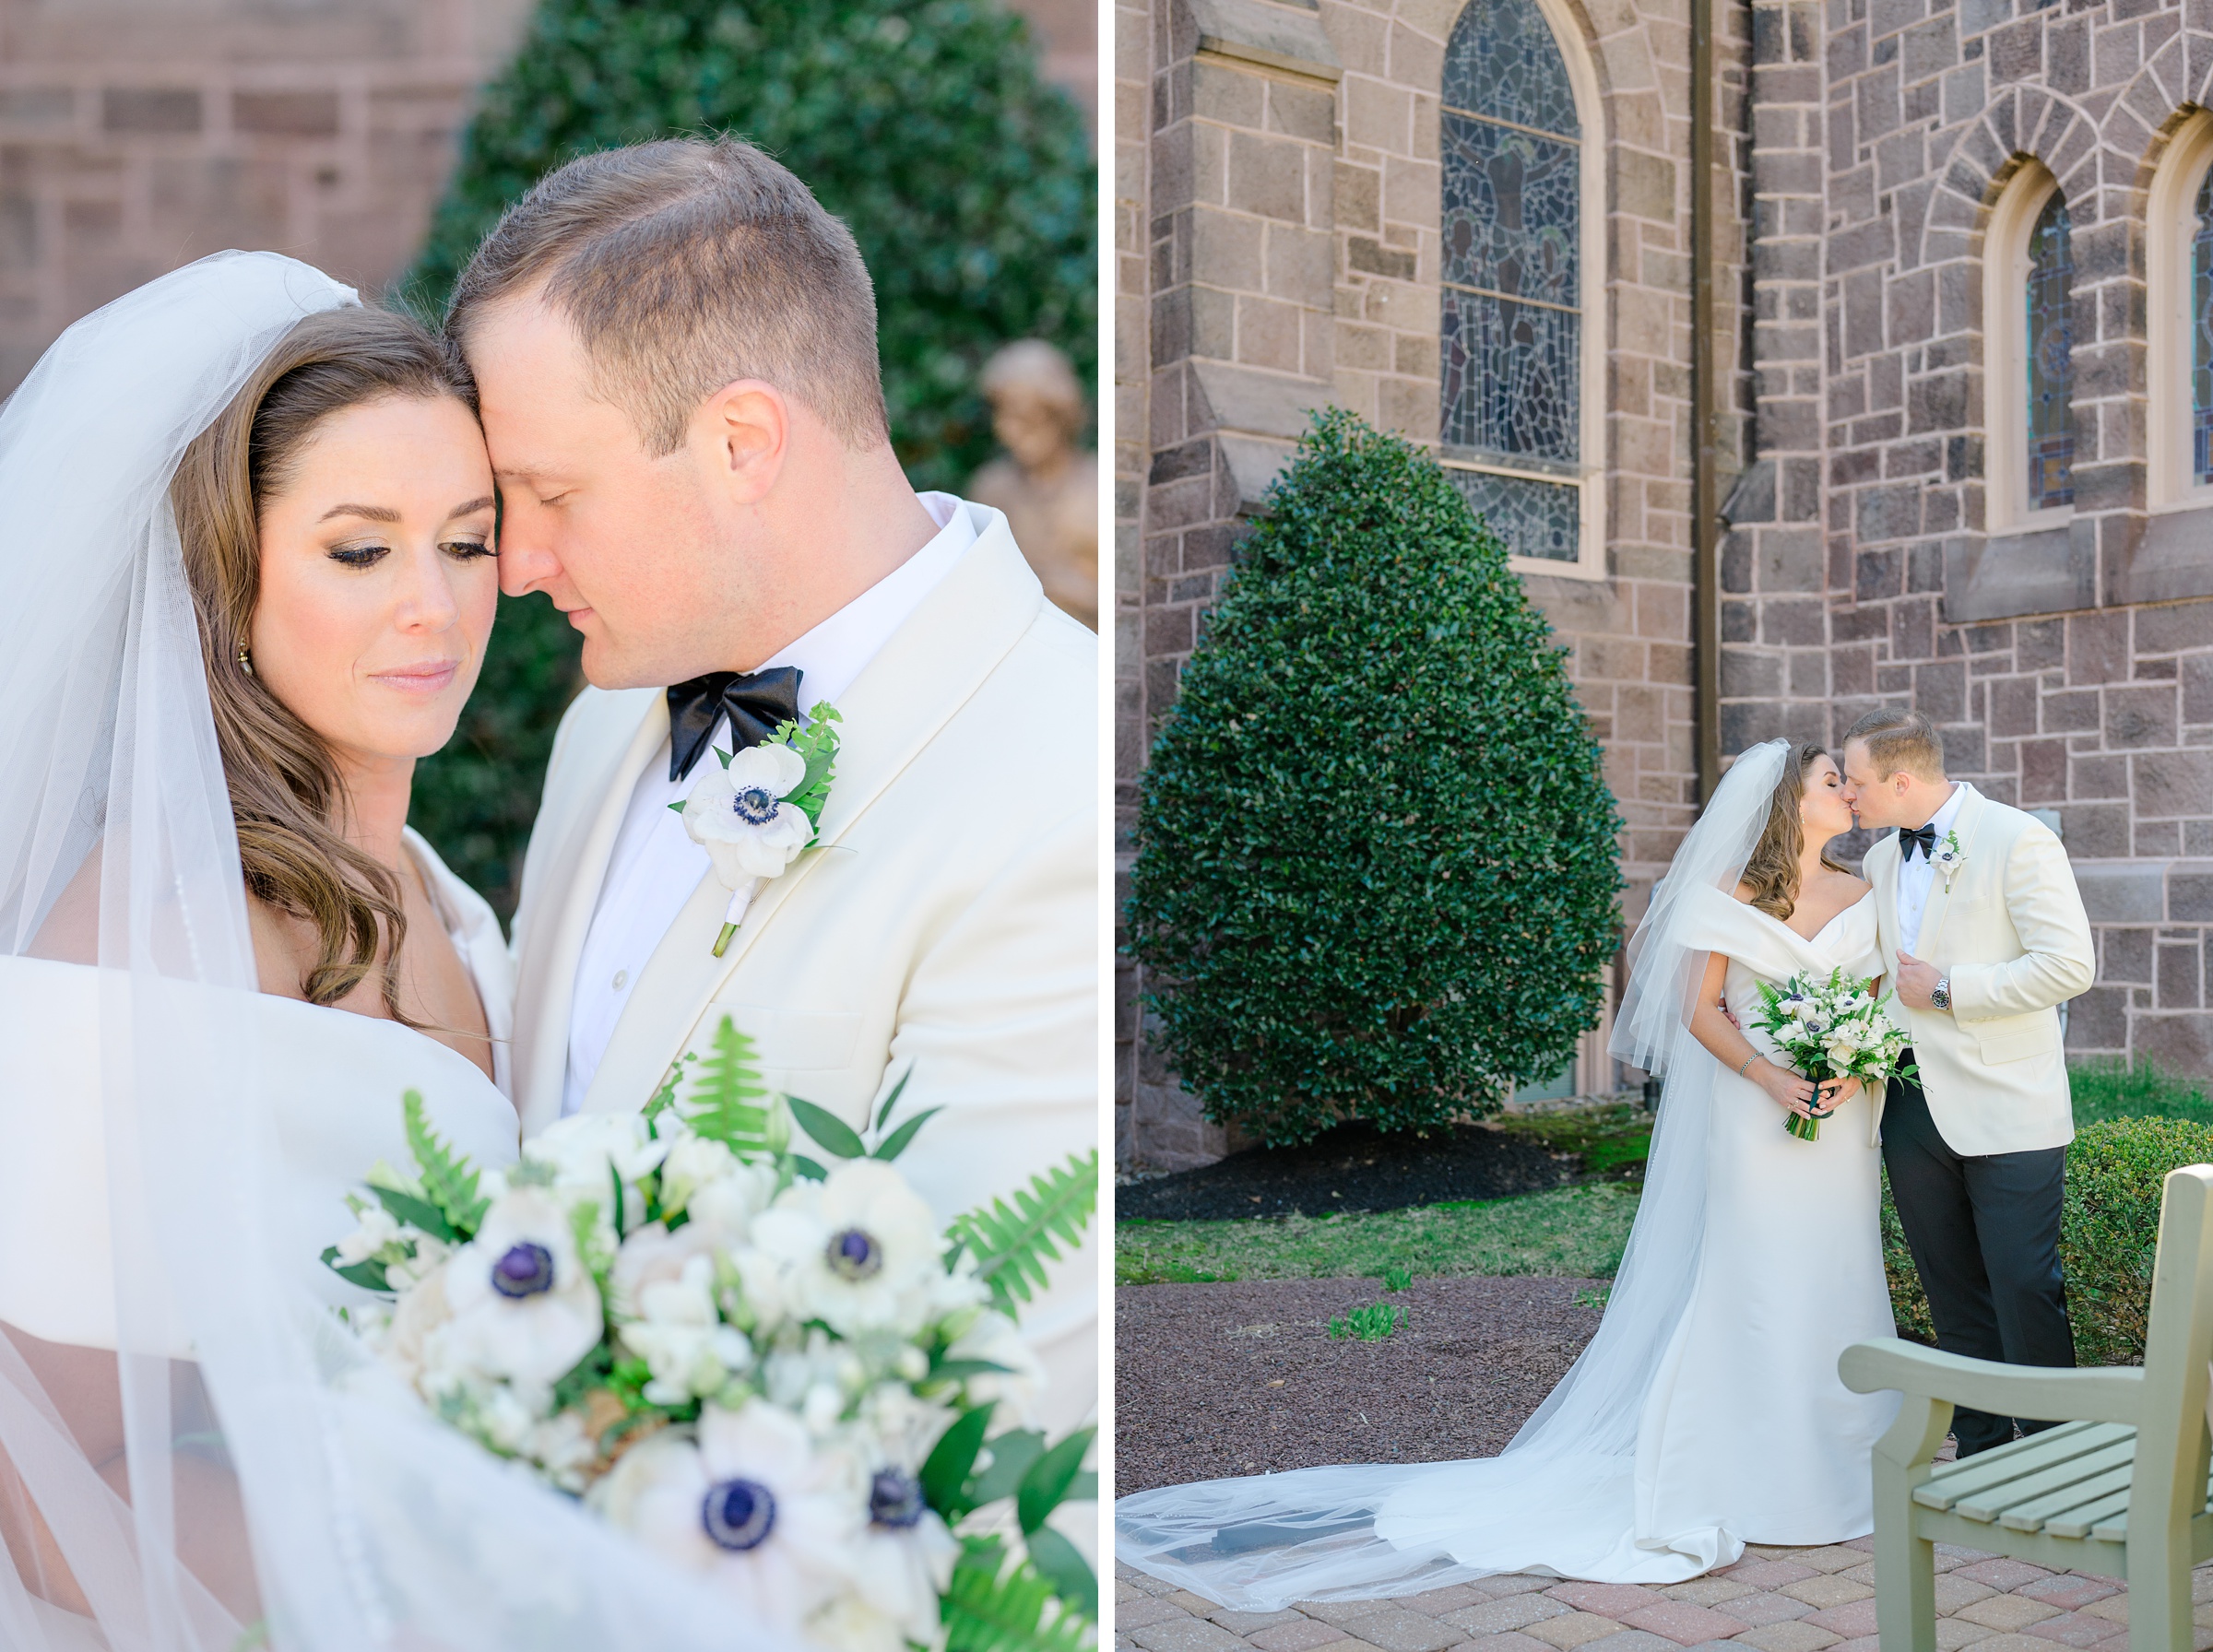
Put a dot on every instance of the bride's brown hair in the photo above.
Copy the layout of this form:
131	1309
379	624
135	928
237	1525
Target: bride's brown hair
1773	872
285	793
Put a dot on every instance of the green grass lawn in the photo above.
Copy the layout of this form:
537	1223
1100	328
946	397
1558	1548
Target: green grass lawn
1575	1233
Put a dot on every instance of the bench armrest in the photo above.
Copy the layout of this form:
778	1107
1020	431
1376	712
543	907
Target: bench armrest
2108	1394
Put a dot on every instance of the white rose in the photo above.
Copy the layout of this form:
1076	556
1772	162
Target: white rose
525	1306
749	1500
856	1251
690	1352
586	1153
376	1229
422	1310
738	816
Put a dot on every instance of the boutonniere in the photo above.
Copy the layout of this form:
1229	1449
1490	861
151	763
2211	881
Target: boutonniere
1948	859
754	810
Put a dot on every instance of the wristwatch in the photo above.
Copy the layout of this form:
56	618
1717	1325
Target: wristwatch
1940	995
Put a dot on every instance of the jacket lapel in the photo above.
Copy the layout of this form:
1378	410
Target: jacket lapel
1940	893
573	880
932	665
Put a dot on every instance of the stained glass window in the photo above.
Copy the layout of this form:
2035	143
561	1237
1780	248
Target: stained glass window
1511	328
2201	334
2050	359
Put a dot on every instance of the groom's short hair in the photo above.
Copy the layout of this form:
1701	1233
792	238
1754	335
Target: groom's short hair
1899	739
684	264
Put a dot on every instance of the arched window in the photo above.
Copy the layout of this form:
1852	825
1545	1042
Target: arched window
2179	279
2051	347
2028	280
1519	397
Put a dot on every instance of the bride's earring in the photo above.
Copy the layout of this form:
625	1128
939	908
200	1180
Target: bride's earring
245	660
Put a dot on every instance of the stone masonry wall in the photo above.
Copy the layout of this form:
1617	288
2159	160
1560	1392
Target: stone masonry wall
1288	199
2068	667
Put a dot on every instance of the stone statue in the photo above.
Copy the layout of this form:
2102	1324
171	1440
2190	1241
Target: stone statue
1048	486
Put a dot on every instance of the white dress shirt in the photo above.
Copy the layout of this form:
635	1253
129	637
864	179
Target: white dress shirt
655	866
1916	876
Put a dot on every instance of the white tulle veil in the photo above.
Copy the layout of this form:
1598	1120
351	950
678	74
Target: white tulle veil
1563	1495
365	1523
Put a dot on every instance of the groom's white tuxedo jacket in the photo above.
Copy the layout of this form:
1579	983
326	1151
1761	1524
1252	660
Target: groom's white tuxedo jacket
2011	934
947	926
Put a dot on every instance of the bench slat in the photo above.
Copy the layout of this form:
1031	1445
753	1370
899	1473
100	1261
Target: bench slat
1954	1482
2041	1512
1994	1501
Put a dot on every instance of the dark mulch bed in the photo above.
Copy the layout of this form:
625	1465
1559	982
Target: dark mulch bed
1196	1366
1353	1167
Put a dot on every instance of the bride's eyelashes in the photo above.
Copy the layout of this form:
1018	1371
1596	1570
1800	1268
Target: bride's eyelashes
368	556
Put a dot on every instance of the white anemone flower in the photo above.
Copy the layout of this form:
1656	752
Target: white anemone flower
737	814
856	1251
907	1551
525	1306
751	1500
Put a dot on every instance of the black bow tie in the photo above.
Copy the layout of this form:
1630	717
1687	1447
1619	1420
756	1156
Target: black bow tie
1911	838
755	702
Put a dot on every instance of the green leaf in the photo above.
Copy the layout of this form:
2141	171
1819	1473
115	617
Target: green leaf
1045	1486
807	1170
1084	1488
1012	1456
1063	1565
369	1273
950	1461
990	1607
726	1092
831	1133
724	756
676	808
897	1142
415	1213
961	1370
883	1114
1012	1246
449	1181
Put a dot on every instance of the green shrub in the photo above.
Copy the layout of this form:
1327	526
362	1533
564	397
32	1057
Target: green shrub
966	179
2108	1234
1376	866
2115	1090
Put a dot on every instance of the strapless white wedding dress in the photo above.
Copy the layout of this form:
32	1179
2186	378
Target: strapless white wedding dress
335	1080
1743	1433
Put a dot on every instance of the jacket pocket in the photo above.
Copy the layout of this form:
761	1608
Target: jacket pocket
791	1040
2017	1037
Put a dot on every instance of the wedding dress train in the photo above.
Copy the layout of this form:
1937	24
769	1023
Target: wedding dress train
1706	1413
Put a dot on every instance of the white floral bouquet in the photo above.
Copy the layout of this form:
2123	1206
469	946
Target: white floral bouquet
1831	1030
776	1373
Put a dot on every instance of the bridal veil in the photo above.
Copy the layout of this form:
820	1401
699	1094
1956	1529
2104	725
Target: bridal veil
227	1467
1563	1496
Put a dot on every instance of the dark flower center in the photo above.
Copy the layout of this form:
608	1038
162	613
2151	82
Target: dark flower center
895	1498
755	806
738	1513
523	1271
855	1256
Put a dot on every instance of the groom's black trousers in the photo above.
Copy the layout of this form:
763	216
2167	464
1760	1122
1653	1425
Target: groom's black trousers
1985	1234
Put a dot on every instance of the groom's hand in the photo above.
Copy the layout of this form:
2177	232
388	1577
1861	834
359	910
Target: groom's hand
1916	981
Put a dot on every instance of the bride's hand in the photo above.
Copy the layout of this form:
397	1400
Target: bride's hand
1835	1092
1786	1088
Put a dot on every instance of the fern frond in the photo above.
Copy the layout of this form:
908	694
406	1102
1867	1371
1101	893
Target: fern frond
1012	1245
990	1607
723	1105
449	1181
817	747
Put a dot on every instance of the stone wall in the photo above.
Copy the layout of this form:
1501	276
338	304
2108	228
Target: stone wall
2067	666
1278	210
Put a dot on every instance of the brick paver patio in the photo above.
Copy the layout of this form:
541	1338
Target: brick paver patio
1773	1599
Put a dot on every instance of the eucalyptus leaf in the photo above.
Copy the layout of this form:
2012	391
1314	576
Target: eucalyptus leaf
831	1133
1012	1454
946	1471
1063	1565
1045	1486
897	1142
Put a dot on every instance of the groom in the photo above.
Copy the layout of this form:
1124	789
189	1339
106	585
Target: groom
675	347
1984	929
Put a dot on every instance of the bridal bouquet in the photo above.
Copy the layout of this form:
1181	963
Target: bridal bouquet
1829	1030
776	1372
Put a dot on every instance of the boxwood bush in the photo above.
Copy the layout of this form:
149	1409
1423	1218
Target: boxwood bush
2108	1235
1375	869
967	180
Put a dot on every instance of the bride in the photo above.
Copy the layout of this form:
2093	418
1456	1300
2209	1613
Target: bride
247	547
1706	1413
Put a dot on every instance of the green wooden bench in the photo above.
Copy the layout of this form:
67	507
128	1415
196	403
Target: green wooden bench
2119	1489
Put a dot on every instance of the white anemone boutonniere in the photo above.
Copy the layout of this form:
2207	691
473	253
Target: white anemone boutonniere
1949	857
754	810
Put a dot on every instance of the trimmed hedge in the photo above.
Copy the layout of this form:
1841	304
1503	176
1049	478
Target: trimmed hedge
2108	1235
1375	869
967	178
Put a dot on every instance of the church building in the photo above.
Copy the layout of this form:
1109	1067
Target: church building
1809	355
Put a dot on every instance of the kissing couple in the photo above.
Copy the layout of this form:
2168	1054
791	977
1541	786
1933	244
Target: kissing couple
1706	1412
252	535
